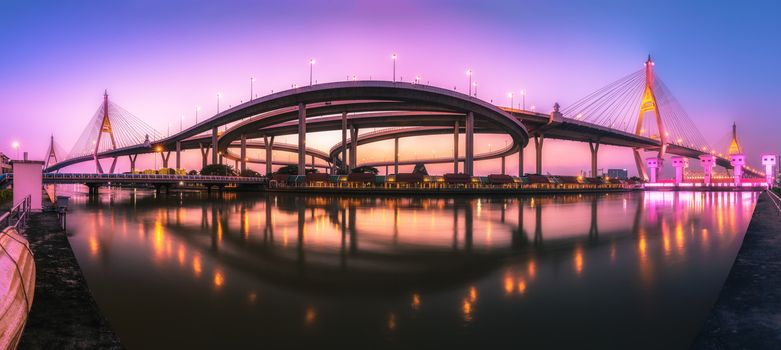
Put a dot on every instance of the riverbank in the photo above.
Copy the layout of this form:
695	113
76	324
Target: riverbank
747	313
64	315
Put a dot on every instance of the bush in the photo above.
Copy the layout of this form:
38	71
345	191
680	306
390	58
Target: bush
218	170
193	172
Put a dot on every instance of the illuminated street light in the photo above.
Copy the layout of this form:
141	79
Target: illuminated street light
417	79
311	65
394	57
510	95
533	107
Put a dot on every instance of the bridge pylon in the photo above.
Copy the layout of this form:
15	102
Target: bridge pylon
51	153
105	128
647	105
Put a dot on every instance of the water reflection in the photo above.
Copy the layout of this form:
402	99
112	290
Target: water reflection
602	270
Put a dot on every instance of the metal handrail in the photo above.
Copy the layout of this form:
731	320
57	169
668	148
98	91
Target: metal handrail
22	210
775	199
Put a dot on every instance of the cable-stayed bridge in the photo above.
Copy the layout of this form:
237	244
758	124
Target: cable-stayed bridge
638	112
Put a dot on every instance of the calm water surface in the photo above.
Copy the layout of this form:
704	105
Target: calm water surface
634	270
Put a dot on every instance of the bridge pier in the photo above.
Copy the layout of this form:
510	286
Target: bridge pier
165	155
639	164
113	166
396	156
538	141
654	164
214	145
353	147
594	147
503	165
243	153
707	161
469	157
269	142
679	163
178	154
301	139
520	162
455	148
93	189
737	161
204	155
132	162
345	165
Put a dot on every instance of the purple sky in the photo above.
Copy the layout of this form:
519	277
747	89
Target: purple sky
160	61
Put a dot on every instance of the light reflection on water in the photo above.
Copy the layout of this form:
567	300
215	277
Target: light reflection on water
617	270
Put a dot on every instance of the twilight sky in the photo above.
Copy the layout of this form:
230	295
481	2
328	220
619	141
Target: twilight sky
159	60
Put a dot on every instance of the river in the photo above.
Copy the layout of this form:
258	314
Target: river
252	270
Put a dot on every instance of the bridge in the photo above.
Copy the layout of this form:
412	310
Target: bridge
637	112
93	180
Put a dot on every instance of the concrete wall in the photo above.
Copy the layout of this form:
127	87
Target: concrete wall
28	181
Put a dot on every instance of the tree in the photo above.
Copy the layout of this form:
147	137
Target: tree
193	172
366	169
218	169
249	173
420	168
293	170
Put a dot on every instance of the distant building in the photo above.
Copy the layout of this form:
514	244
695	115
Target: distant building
5	164
618	174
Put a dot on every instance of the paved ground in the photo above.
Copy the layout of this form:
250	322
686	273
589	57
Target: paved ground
747	314
64	314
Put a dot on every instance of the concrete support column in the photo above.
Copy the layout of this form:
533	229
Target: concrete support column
520	162
313	162
737	161
455	148
269	143
594	147
769	161
165	156
301	139
653	168
204	155
679	163
353	147
470	144
178	154
344	142
707	162
243	153
396	156
538	141
133	162
214	145
503	165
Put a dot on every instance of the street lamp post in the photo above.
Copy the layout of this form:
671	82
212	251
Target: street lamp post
311	69
469	73
475	86
510	95
394	57
197	108
219	96
523	96
251	86
181	123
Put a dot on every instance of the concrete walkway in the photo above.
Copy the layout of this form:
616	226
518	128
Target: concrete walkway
747	314
64	314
